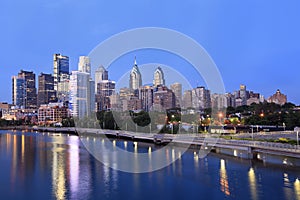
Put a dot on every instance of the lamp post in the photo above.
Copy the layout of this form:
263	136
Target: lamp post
252	132
172	128
297	139
297	130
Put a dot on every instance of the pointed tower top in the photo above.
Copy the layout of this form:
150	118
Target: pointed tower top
135	60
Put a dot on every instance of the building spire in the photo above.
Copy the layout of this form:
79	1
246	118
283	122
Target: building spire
135	60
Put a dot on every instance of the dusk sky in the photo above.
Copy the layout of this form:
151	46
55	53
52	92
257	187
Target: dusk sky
256	43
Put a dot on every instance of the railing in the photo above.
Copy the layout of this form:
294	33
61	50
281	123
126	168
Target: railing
263	145
212	139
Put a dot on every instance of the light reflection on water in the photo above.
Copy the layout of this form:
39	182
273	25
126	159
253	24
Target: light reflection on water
223	178
46	166
297	188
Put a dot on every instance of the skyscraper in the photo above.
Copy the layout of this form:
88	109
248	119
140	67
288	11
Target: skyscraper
243	94
79	94
82	91
84	64
187	99
159	78
146	95
163	99
177	90
31	95
201	98
135	77
105	89
61	75
46	92
60	69
100	74
18	91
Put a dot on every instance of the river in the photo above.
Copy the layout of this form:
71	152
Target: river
57	166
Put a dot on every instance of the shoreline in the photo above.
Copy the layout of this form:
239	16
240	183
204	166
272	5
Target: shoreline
267	152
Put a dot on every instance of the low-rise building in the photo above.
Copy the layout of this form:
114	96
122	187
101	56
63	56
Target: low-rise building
4	109
52	113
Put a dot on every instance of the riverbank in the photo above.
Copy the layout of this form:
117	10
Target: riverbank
68	130
267	152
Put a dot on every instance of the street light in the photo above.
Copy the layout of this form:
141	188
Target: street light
172	118
220	115
297	129
297	139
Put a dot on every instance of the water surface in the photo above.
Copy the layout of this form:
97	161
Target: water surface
54	166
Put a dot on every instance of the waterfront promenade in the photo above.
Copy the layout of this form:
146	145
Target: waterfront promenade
277	153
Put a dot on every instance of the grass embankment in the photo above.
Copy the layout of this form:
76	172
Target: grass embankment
279	140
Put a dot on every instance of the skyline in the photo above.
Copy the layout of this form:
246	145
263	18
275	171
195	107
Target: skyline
252	45
151	68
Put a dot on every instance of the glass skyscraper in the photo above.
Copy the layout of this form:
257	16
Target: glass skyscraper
61	74
18	91
60	69
82	90
46	92
30	89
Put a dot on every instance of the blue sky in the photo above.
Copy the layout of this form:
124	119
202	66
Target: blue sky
255	42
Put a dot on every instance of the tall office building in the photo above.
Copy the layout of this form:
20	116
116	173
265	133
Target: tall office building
84	64
146	95
63	91
100	74
31	95
243	94
105	89
187	99
219	101
60	69
46	92
163	98
177	90
79	94
159	78
61	75
91	94
82	91
18	91
135	77
201	98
